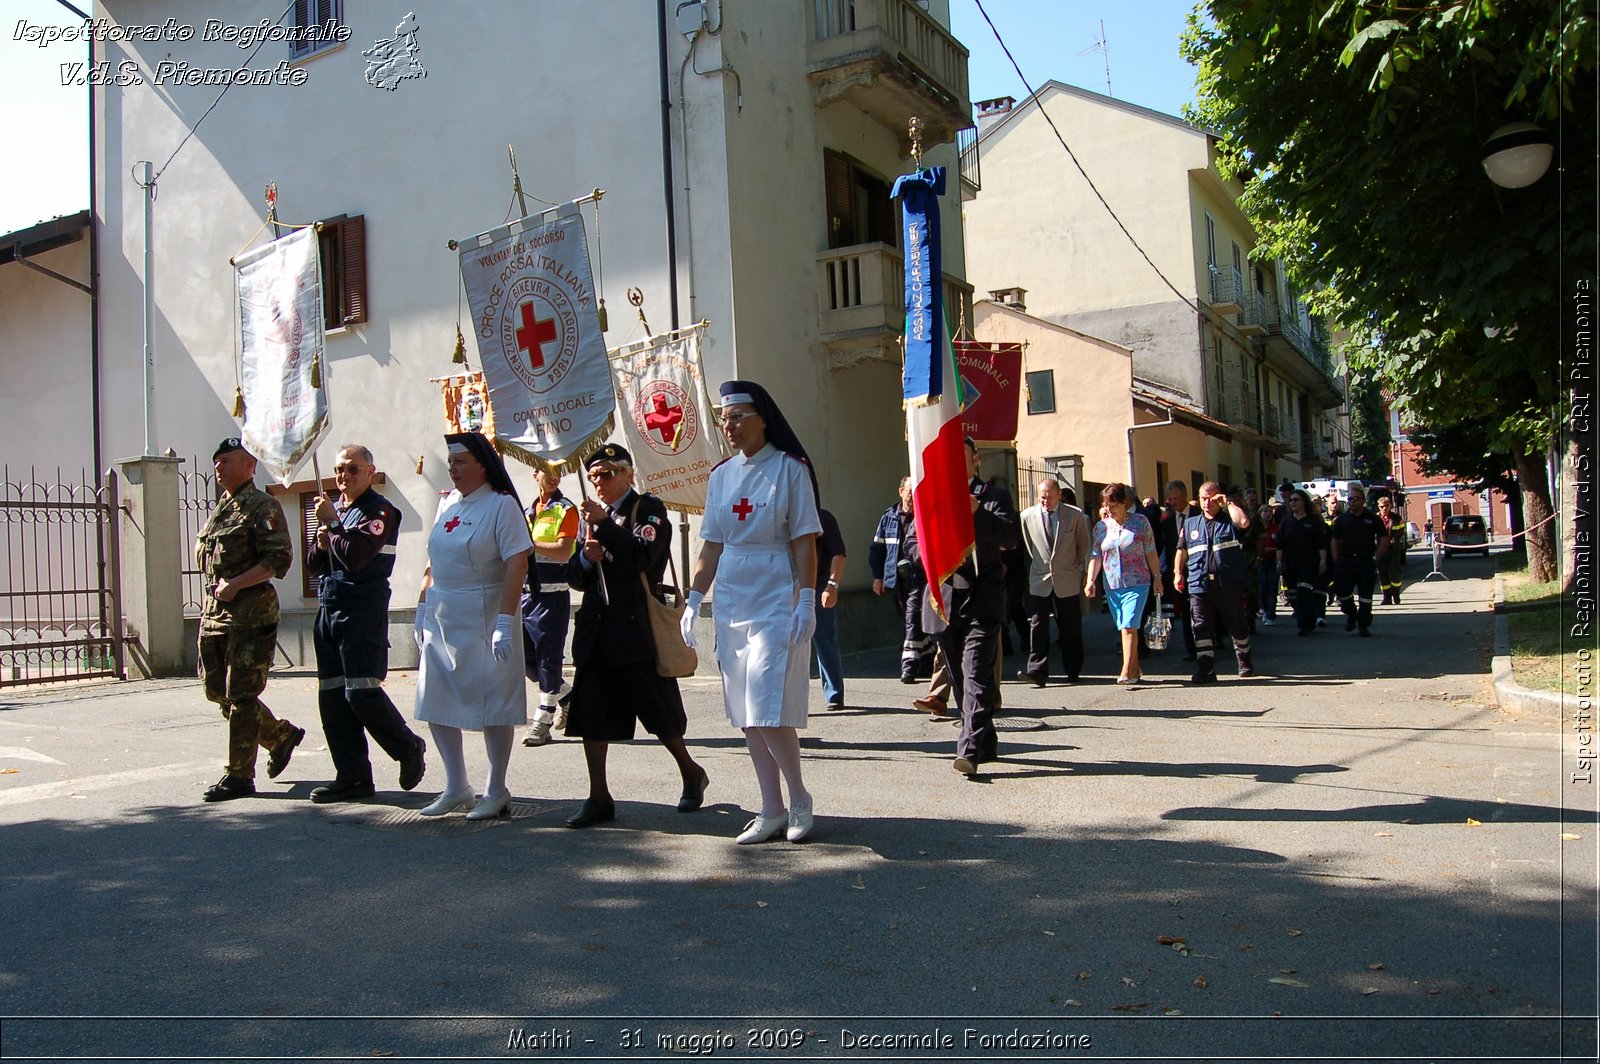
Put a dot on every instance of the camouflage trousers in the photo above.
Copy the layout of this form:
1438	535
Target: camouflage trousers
234	666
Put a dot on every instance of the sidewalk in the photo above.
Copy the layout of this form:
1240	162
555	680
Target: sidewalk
1357	839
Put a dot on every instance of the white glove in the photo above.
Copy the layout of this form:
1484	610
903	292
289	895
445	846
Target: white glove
690	612
804	621
421	624
501	646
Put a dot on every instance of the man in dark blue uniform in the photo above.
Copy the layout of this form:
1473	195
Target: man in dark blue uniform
975	599
894	568
1357	542
547	602
1210	565
353	556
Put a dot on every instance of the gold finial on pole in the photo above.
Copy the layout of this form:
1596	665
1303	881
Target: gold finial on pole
915	129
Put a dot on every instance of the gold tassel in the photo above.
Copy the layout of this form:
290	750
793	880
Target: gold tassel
316	371
238	401
419	464
605	323
459	355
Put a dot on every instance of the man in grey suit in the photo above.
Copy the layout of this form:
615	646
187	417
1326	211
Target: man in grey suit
1056	537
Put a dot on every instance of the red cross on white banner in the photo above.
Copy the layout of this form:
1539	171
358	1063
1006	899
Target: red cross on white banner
534	333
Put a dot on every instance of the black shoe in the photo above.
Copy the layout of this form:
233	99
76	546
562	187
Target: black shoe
412	768
342	791
694	796
1203	677
1349	624
908	677
593	813
967	766
280	757
1038	679
230	787
1366	632
835	705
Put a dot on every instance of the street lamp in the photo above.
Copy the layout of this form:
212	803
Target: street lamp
1517	155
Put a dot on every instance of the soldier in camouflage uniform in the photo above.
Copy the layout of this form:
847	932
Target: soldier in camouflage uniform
243	547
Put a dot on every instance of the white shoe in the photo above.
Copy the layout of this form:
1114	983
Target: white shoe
537	735
448	803
799	821
763	828
488	808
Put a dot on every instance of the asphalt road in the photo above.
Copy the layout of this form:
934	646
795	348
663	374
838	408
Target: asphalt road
1352	856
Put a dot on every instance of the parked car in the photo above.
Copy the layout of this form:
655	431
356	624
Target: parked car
1413	534
1465	532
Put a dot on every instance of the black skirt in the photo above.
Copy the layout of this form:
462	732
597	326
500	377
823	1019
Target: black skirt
608	699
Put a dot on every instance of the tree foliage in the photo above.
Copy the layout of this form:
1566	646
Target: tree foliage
1356	127
1369	429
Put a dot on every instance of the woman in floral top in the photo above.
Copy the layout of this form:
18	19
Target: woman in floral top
1123	548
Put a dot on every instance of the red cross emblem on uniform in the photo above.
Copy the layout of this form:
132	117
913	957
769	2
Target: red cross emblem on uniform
450	525
744	509
534	334
663	418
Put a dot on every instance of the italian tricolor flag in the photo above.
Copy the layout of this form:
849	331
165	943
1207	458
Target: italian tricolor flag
932	392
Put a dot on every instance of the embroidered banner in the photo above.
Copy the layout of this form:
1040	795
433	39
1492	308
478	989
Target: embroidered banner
279	291
466	404
664	408
991	379
539	342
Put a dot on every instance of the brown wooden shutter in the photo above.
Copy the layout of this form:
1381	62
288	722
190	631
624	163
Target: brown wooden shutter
331	263
308	537
353	272
841	199
302	20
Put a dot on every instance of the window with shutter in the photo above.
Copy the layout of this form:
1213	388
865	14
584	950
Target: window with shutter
308	536
342	241
859	208
318	15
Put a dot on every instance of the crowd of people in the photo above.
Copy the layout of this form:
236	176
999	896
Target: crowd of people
493	610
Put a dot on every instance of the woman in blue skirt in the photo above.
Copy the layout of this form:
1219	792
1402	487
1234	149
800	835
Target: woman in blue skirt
1122	548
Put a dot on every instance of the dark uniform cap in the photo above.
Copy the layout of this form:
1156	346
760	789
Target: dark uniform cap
232	443
611	452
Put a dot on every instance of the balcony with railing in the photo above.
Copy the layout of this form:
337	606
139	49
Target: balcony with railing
863	306
1253	313
1227	288
892	60
967	162
1302	355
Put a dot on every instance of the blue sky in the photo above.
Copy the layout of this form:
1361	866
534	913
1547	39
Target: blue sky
50	176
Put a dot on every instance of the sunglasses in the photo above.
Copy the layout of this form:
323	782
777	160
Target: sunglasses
598	475
349	467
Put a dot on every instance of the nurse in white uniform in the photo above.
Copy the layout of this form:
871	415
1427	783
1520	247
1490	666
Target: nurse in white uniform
468	615
759	534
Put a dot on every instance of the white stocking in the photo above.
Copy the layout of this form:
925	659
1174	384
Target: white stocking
766	771
784	745
447	742
497	742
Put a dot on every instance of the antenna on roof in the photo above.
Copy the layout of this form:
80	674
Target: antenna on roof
1100	45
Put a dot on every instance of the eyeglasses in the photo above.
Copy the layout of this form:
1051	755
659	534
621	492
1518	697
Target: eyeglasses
597	475
734	419
348	467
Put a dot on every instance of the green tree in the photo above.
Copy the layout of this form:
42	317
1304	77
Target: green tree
1465	451
1356	126
1369	429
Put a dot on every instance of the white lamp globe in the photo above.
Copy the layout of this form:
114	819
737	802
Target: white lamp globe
1517	155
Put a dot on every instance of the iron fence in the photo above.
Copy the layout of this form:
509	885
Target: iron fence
60	587
197	497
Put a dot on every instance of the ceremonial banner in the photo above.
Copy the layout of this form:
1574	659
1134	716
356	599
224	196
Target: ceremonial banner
932	392
991	379
466	404
665	411
533	313
280	336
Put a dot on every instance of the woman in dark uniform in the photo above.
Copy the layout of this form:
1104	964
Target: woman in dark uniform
615	683
1303	558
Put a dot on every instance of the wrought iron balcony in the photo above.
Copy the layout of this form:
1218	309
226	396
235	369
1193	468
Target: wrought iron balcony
1253	313
1303	355
1227	288
892	61
967	162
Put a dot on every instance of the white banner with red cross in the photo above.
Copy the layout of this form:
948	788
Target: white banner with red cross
665	412
534	317
279	306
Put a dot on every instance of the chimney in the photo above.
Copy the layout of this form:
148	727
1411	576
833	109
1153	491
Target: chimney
1015	298
991	111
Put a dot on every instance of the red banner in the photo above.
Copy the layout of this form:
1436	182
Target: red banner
991	376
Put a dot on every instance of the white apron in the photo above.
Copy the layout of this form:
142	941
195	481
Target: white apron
754	508
459	683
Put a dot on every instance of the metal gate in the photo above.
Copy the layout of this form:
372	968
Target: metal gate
60	582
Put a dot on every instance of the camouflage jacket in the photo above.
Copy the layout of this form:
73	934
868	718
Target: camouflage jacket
247	527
